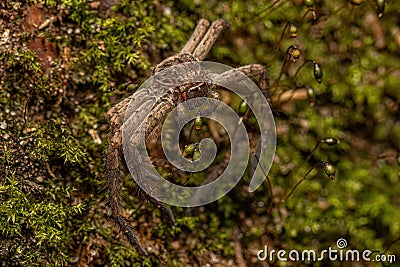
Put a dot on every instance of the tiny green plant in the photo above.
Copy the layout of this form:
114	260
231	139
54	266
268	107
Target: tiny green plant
329	169
380	7
189	150
317	70
243	107
291	29
329	141
310	5
292	55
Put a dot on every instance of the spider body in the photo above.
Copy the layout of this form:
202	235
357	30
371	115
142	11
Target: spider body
196	49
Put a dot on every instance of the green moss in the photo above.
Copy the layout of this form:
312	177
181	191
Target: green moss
55	140
115	45
40	219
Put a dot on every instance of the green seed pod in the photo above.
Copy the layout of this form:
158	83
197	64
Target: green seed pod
311	94
309	3
196	154
292	30
198	122
317	73
330	141
380	7
243	106
294	53
189	150
330	171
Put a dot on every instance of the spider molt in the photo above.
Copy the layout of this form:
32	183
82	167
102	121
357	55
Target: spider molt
196	49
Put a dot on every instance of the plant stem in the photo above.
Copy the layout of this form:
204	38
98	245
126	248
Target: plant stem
269	187
312	151
300	181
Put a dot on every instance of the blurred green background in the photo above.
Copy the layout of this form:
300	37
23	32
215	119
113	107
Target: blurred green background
64	63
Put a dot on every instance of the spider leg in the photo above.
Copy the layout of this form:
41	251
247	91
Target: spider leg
147	188
113	161
113	180
204	46
166	211
251	71
196	37
255	70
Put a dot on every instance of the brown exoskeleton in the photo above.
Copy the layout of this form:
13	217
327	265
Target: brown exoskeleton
196	49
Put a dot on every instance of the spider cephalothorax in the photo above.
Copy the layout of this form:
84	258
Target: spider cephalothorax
195	49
